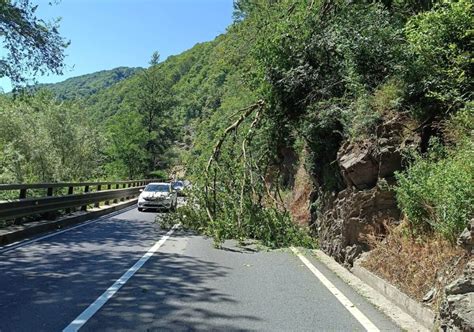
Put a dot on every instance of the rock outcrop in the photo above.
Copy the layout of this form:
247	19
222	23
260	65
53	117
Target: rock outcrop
354	215
466	239
365	205
457	309
362	164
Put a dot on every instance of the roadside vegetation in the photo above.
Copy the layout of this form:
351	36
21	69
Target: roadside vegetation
42	140
416	266
288	83
313	75
436	192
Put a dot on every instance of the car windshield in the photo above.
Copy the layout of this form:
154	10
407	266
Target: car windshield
178	184
162	188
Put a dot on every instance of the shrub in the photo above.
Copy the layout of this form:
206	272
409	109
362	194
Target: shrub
158	175
441	43
437	191
388	97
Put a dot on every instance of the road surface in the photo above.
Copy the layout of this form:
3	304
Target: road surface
99	277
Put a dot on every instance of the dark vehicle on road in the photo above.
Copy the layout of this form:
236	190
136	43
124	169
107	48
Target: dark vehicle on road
179	186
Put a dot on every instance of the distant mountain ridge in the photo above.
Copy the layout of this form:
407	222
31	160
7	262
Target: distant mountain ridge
86	85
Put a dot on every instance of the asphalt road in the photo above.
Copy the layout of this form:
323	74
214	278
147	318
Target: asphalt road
186	285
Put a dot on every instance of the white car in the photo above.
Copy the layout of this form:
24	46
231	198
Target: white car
158	195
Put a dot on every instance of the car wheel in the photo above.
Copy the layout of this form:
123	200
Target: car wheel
140	209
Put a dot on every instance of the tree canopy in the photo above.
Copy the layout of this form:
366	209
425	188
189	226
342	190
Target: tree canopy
32	46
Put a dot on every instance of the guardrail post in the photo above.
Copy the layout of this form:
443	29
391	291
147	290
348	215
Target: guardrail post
50	215
99	188
70	191
108	188
86	190
117	186
18	221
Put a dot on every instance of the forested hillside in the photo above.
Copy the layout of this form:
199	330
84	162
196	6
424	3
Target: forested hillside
307	77
359	114
89	84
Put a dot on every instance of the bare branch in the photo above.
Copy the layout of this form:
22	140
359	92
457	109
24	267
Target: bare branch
217	148
248	110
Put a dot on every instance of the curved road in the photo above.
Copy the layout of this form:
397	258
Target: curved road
185	285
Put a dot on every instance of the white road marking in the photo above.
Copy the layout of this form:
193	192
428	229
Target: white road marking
80	320
363	320
54	233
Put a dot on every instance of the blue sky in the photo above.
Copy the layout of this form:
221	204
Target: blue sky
105	34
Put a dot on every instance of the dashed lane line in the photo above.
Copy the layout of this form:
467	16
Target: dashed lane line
87	314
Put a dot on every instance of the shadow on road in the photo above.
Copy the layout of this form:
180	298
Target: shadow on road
172	292
45	286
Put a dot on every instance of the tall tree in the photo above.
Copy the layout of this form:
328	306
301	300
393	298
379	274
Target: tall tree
31	45
154	101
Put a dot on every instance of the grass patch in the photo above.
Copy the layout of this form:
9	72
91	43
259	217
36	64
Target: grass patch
415	265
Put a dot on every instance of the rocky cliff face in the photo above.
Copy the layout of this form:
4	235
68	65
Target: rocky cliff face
457	309
354	215
366	204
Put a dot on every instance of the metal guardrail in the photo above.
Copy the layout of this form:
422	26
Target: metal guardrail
90	193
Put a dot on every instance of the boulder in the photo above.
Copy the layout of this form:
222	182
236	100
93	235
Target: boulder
457	312
461	285
343	229
389	157
466	239
457	308
363	163
358	167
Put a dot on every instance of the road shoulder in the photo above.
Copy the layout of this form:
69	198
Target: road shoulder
395	313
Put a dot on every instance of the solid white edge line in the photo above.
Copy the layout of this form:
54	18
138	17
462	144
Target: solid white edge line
80	320
363	320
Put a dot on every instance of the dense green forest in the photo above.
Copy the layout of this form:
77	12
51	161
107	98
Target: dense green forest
89	84
288	78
